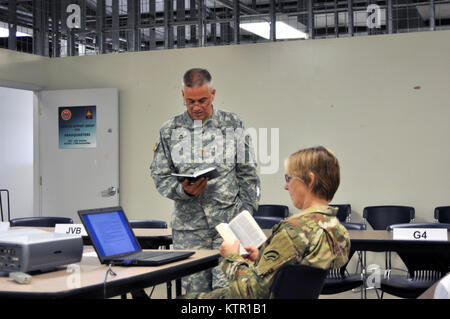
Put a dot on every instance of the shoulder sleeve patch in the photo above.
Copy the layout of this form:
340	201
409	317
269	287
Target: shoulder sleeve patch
155	146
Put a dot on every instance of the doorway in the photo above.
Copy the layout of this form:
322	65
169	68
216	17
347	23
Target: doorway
18	132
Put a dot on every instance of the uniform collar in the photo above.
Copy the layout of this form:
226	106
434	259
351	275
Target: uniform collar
213	118
326	210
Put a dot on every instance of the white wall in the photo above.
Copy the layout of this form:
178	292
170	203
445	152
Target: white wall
355	95
380	102
16	150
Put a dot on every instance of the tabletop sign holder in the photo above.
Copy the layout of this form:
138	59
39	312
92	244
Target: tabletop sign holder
70	229
4	226
436	234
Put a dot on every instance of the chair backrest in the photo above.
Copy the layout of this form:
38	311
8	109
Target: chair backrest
267	222
41	221
298	282
419	225
442	214
344	211
354	226
272	210
438	261
149	243
380	217
148	223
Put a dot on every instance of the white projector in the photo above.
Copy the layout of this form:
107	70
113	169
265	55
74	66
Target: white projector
26	250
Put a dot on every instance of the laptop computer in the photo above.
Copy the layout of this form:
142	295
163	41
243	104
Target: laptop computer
115	242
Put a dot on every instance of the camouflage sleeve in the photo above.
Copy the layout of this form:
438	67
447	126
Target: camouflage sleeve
231	263
253	280
247	177
244	282
161	168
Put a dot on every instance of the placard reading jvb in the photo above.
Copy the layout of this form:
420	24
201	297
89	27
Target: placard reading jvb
77	126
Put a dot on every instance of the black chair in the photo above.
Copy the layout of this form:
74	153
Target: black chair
424	268
298	282
344	212
354	226
380	217
41	221
272	211
267	222
338	279
442	214
148	243
6	192
150	223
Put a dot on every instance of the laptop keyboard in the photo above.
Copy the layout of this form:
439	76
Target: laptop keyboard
151	254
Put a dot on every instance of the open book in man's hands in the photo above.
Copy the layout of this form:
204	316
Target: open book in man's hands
210	172
244	228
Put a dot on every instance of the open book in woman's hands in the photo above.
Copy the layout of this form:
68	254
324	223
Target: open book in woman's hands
244	228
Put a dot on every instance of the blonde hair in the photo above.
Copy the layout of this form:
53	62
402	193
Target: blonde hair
320	161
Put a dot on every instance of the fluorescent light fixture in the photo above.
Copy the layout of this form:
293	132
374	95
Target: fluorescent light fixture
283	30
4	33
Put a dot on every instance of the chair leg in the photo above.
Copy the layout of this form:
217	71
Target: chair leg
169	290
378	296
178	287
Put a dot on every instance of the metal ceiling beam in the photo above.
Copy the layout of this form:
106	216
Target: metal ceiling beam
12	25
236	14
201	23
152	20
56	34
242	7
40	28
115	26
133	35
168	28
273	21
310	19
350	17
99	25
181	30
389	19
432	16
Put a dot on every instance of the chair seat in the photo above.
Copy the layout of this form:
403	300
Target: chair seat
338	285
404	287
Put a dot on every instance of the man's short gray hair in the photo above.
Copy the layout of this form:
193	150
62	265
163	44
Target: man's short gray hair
197	77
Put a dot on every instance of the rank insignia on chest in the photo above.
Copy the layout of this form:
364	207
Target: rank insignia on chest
271	255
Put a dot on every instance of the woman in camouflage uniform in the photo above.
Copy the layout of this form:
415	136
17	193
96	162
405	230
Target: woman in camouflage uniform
312	237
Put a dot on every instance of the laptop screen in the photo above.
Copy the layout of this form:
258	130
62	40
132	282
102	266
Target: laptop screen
110	233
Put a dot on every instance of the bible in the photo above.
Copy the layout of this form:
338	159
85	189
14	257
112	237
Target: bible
210	173
244	228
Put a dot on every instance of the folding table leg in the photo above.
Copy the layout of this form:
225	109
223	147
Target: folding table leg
169	290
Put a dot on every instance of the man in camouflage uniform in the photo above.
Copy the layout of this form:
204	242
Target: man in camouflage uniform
313	237
199	138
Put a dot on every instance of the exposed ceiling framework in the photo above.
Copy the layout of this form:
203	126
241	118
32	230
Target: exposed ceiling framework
106	26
